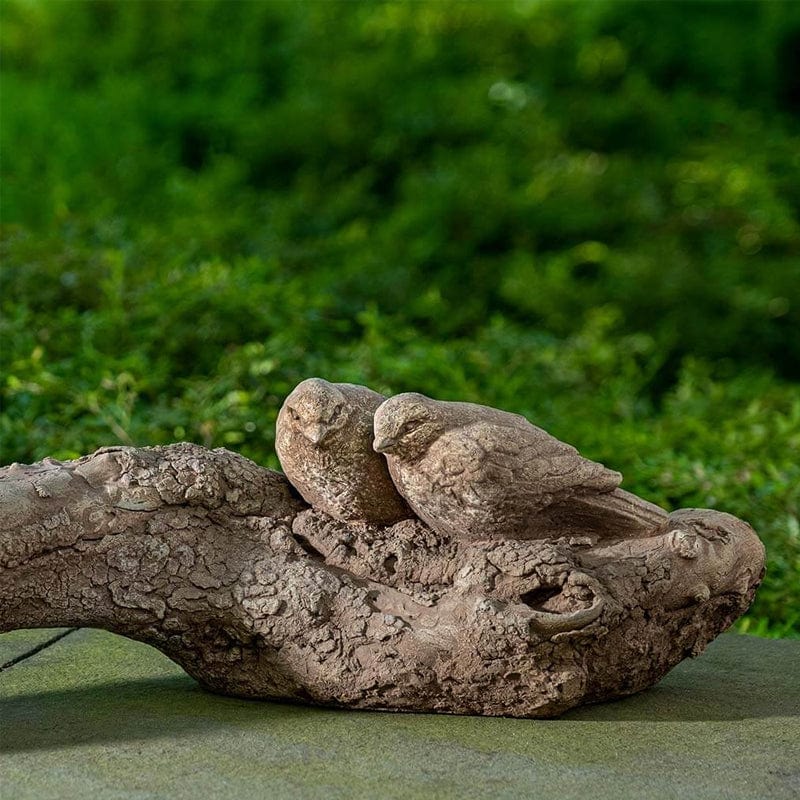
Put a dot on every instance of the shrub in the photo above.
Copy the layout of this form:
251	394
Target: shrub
587	213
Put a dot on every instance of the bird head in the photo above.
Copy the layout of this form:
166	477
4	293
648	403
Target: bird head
406	425
315	409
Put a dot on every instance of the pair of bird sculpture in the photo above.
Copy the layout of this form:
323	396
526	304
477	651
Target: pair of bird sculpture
468	471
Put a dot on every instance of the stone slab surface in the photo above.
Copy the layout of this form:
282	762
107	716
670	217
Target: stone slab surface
17	644
96	715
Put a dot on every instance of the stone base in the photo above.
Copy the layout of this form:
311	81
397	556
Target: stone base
96	715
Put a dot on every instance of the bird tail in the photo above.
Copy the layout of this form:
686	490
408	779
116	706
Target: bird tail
620	514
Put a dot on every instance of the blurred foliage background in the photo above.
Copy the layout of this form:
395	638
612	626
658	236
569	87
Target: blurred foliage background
587	213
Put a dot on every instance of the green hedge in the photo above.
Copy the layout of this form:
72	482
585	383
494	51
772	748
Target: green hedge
587	213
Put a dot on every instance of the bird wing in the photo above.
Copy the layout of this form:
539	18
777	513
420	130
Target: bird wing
465	468
521	465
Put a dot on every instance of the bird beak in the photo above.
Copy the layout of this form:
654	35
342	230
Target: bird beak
316	433
384	444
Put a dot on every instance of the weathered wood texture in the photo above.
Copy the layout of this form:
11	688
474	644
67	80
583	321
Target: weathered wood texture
217	563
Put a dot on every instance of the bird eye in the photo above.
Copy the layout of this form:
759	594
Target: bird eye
335	417
294	415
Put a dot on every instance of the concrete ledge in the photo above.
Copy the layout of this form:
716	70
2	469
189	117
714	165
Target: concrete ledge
96	715
18	644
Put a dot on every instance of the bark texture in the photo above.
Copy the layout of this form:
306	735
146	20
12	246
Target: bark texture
220	565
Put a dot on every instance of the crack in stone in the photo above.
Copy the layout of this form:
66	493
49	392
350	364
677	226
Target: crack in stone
38	649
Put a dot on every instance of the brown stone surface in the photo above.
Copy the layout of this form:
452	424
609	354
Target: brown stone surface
216	562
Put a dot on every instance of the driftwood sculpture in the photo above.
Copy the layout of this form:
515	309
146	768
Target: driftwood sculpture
536	584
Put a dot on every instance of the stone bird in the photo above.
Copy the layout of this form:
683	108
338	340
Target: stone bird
324	443
474	472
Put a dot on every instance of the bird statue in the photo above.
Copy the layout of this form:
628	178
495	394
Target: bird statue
324	443
473	472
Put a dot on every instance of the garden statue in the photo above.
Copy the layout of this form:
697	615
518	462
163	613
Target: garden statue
438	557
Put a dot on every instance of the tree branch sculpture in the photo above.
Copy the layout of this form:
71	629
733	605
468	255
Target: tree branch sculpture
219	564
